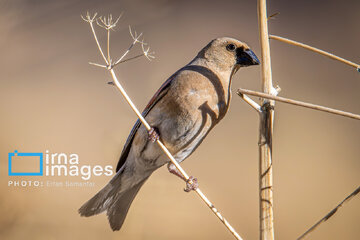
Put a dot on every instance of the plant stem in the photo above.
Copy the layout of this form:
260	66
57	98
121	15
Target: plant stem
265	132
327	54
244	92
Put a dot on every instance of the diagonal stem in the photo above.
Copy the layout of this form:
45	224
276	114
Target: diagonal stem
322	52
249	101
132	58
97	42
126	52
331	213
172	159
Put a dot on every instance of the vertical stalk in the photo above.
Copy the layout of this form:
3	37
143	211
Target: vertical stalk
108	45
265	132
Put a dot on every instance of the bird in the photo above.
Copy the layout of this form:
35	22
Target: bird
182	112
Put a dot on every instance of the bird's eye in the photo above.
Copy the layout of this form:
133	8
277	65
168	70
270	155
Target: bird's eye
230	47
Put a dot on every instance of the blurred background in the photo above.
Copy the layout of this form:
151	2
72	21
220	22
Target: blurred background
52	99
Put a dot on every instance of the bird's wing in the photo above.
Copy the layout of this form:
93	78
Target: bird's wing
155	99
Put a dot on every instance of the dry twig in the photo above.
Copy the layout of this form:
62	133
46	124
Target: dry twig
327	54
242	92
331	213
91	20
251	102
265	131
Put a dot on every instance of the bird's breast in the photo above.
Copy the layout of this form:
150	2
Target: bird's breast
188	119
193	105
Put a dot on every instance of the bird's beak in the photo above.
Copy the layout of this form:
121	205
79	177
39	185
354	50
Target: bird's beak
246	57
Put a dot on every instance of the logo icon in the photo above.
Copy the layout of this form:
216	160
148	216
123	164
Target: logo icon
25	164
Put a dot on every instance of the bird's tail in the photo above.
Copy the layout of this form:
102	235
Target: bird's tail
115	198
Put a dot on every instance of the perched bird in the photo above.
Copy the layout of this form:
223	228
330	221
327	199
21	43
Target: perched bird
182	112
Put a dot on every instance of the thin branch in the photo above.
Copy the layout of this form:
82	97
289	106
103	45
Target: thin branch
108	46
91	20
108	24
331	213
135	38
98	65
251	102
300	103
132	58
327	54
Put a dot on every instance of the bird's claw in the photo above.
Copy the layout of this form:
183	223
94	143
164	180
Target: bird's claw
191	184
153	134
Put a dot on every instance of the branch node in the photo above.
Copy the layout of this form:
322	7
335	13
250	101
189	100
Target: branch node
107	22
88	18
275	90
149	55
267	106
278	89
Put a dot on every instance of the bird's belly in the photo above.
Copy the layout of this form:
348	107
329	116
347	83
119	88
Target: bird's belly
183	134
183	121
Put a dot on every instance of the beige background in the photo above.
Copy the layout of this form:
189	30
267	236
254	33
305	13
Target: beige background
50	98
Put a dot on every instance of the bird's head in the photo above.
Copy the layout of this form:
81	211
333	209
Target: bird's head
228	54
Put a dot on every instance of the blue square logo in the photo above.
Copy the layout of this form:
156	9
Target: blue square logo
22	157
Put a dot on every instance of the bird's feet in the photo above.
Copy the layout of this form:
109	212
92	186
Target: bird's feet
191	184
153	134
